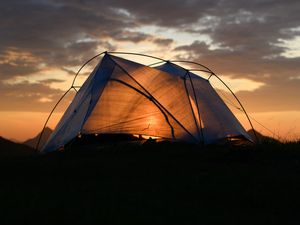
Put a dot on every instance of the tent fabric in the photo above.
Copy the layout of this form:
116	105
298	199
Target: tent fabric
77	113
153	83
217	119
121	96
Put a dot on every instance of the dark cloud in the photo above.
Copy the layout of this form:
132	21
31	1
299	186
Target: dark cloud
57	34
163	41
246	43
25	96
280	91
168	13
130	36
245	37
9	70
63	33
239	63
50	81
15	64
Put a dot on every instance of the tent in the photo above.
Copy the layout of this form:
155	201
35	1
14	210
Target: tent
167	101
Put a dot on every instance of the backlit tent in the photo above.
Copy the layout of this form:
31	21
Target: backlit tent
124	97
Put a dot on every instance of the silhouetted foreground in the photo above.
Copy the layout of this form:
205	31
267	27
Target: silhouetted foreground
153	183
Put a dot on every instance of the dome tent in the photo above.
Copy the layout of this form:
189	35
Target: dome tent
167	101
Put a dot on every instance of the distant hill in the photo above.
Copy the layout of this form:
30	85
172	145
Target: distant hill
261	137
11	149
33	141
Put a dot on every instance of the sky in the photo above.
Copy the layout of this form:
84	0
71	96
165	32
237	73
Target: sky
253	45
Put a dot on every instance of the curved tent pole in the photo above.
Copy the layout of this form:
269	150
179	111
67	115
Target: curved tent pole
137	54
248	118
191	62
186	61
173	61
188	73
154	57
190	103
196	101
150	98
83	65
161	60
144	55
154	99
205	71
213	74
61	98
153	64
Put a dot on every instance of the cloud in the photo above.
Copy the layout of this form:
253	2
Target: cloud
163	41
50	81
281	96
280	91
168	13
245	39
239	63
130	36
62	33
25	96
16	64
55	34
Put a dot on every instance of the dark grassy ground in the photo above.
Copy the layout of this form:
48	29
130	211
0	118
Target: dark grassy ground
154	184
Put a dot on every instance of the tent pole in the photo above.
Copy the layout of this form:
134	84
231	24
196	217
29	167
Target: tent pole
153	64
148	97
213	74
137	54
188	96
194	90
83	65
72	87
257	140
206	71
154	99
186	61
195	96
40	137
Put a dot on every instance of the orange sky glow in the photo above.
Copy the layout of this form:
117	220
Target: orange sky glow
254	48
20	126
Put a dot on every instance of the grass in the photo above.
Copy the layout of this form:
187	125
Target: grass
154	183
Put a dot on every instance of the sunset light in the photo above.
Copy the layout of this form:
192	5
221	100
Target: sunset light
183	112
37	66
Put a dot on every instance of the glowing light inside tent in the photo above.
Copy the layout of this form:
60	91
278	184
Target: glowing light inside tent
145	136
124	107
151	121
149	137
